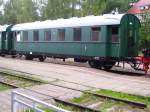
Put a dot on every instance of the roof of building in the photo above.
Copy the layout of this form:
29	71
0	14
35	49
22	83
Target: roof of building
107	19
142	6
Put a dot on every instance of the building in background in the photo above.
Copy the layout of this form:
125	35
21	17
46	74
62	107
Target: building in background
132	2
141	8
138	7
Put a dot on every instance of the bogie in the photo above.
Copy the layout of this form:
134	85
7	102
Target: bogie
29	57
42	58
106	65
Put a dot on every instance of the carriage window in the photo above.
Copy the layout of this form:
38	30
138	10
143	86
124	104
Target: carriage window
95	35
47	35
18	37
115	34
36	35
61	34
77	34
25	35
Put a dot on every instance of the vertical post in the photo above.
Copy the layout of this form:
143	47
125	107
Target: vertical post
13	102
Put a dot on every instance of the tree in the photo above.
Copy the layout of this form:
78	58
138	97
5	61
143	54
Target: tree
93	7
62	9
144	31
18	11
122	6
97	7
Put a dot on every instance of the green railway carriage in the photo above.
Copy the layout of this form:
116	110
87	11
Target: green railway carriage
97	39
6	39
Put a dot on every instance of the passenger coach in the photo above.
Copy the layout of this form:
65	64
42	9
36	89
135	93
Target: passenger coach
99	40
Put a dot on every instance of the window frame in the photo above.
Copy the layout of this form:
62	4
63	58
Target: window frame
35	36
114	34
75	34
97	29
26	38
61	32
49	33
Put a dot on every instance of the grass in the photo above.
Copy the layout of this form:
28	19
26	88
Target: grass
4	87
70	108
50	110
105	104
44	110
125	96
22	80
110	103
22	75
86	99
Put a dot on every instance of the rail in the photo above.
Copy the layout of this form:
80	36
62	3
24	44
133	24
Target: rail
24	103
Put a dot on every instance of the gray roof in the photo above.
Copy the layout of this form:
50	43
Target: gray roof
107	19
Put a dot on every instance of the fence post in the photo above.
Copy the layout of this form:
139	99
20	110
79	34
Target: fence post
17	101
13	109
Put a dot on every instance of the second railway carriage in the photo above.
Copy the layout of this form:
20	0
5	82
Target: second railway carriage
6	40
100	40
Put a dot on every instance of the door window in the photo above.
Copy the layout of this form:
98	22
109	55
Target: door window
77	34
95	35
25	35
47	35
36	35
115	34
61	34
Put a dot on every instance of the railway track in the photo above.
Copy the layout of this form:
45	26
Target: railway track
136	104
71	63
79	106
16	81
118	77
87	108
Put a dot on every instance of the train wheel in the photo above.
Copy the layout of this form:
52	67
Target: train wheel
42	58
3	55
108	65
95	64
28	57
13	56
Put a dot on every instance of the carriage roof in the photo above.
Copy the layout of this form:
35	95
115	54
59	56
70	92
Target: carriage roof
3	27
107	19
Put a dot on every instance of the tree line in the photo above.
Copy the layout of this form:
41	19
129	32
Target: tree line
20	11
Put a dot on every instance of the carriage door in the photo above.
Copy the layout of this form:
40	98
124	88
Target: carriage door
129	28
131	36
4	41
10	41
132	39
